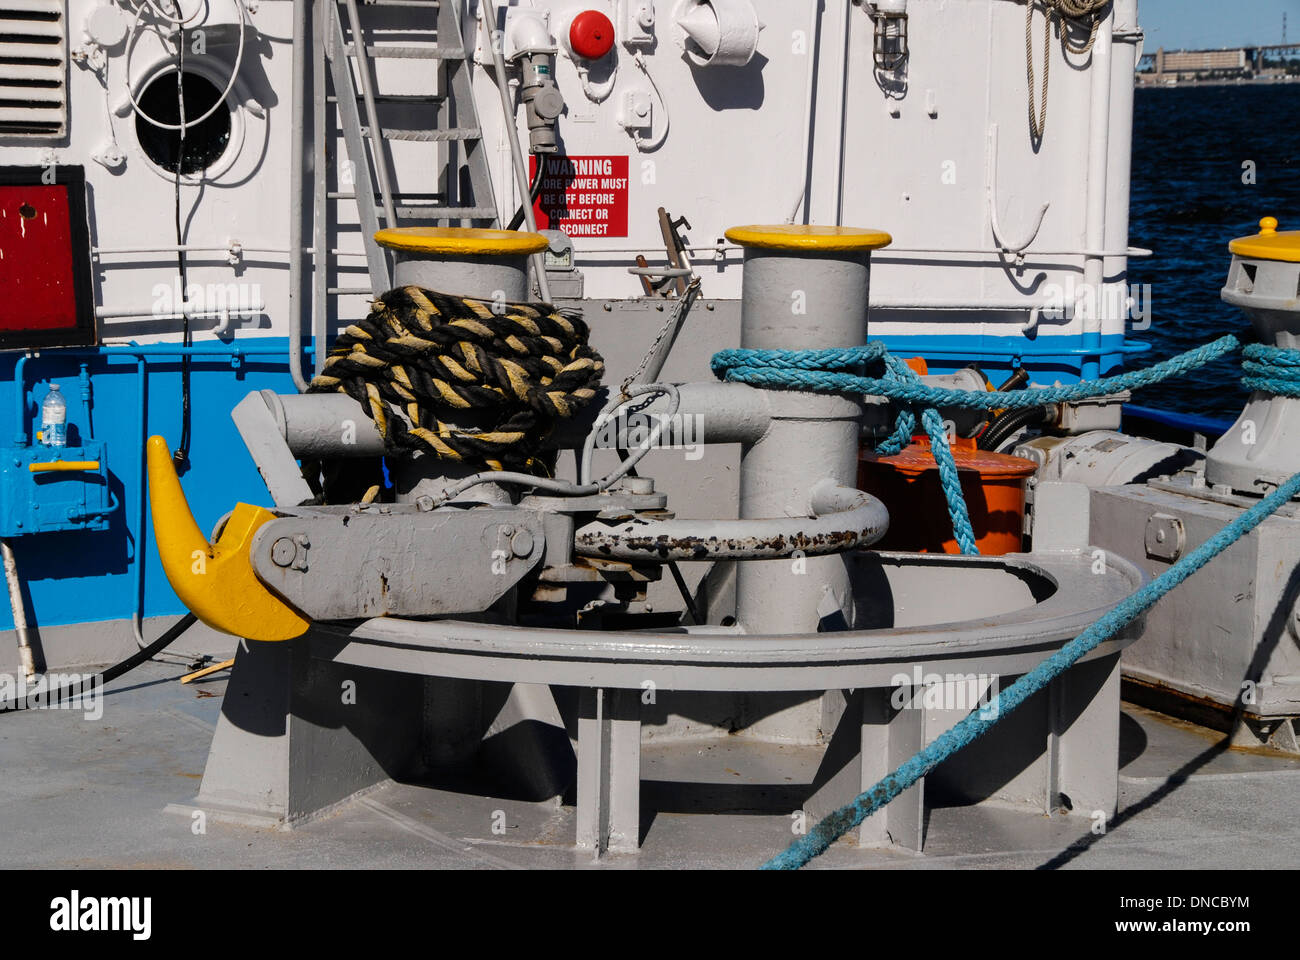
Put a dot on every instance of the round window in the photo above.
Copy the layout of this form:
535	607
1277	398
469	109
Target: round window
205	141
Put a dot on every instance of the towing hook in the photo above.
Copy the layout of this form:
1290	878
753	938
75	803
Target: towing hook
215	580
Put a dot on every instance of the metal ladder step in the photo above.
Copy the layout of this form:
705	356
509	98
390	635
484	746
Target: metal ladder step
446	213
427	136
392	51
409	98
340	195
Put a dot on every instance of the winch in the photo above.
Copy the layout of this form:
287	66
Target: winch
463	578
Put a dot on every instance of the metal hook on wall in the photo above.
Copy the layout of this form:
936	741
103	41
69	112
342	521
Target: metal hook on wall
991	191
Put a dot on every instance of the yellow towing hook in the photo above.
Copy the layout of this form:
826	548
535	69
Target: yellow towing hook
215	580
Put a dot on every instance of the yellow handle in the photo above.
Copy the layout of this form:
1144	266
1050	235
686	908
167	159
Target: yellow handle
62	465
215	580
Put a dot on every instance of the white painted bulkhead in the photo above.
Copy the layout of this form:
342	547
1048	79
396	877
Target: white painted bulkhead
919	165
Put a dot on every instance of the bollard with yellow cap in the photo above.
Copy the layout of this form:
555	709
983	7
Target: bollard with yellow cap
484	264
1262	449
804	288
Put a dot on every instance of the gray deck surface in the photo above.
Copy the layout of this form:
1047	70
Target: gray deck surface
78	793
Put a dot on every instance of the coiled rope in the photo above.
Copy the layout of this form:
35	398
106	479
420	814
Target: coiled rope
462	379
1089	10
1266	368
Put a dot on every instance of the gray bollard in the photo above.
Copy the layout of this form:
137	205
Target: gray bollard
804	288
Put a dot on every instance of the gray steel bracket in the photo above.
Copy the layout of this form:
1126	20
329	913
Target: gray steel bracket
347	563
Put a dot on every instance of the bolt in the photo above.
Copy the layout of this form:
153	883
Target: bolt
522	543
424	503
507	531
283	551
1160	536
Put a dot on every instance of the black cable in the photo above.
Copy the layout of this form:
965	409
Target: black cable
117	669
182	453
533	193
1004	426
685	592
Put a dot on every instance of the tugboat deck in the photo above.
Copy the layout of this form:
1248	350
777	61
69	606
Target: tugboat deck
114	794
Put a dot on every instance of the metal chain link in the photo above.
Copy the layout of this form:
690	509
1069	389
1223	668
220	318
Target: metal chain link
671	325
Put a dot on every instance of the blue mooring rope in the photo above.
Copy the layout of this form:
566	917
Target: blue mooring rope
1268	369
839	371
830	829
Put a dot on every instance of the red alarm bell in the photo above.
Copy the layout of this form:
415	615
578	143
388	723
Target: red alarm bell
591	35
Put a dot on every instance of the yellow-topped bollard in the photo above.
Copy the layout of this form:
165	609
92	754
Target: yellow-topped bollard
809	239
1268	244
484	264
1262	449
803	288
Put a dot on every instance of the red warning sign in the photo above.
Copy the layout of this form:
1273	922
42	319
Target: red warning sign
583	196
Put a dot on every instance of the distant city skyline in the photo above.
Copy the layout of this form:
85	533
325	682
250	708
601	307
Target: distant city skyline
1207	24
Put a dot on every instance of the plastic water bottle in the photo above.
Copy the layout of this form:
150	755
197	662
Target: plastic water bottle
54	418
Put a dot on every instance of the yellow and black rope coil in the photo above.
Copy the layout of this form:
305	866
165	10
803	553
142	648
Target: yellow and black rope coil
473	380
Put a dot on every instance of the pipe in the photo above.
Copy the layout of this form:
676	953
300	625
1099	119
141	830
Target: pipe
809	108
372	113
488	9
320	217
1005	426
1098	159
841	162
130	663
18	607
296	156
841	519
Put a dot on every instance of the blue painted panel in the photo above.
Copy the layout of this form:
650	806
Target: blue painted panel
90	576
54	501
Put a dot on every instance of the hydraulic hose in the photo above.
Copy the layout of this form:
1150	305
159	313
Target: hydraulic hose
1006	425
117	669
533	192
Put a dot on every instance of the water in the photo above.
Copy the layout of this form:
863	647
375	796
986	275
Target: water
54	418
1188	200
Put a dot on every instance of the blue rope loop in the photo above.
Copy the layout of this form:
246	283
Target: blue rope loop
842	371
1272	370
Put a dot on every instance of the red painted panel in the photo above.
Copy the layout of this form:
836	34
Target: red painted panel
583	196
36	272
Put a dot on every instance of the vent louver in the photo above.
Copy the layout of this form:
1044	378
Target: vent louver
33	68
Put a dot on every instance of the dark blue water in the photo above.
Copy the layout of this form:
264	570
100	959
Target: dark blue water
1188	201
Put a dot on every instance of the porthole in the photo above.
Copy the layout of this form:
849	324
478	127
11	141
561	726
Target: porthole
205	141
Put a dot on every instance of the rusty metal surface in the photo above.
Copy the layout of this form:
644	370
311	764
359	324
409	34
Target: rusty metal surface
842	520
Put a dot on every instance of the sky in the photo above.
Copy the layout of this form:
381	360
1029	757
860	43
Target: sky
1205	24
